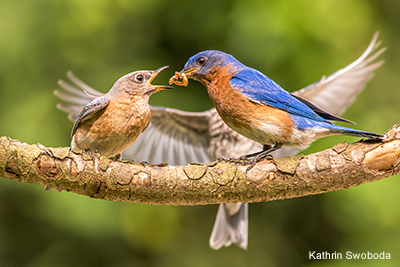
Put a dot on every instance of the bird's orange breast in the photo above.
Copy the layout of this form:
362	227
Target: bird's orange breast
114	129
253	120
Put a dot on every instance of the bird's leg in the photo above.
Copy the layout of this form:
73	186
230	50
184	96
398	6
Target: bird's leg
252	155
245	158
224	159
82	152
241	160
118	157
267	150
144	163
90	153
253	158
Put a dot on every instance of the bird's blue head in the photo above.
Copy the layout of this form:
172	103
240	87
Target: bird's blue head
204	62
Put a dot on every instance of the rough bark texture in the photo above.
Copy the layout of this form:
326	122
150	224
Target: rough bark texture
342	166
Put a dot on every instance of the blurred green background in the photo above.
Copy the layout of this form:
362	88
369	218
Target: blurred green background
293	42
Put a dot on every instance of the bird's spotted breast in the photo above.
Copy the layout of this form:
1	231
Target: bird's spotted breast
114	130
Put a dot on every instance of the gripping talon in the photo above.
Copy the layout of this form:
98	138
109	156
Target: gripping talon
253	158
144	163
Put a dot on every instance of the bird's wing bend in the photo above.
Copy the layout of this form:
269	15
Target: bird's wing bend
88	111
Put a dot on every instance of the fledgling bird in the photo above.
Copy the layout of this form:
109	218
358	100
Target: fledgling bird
180	137
110	123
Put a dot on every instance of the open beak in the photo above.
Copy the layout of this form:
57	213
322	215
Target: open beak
158	87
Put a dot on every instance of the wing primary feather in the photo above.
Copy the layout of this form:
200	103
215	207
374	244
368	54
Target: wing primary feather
82	85
321	112
71	98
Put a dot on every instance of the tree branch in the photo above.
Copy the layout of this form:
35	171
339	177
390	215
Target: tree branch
342	166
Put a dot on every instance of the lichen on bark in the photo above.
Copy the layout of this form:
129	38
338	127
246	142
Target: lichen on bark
342	166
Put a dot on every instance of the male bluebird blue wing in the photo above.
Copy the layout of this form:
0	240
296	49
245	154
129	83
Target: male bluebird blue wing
334	94
179	137
256	107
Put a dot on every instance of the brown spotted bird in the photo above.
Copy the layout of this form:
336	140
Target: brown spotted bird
110	123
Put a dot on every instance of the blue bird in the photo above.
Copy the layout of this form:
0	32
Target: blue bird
256	107
180	137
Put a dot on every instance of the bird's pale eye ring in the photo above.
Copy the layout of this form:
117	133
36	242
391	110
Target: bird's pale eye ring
201	60
139	77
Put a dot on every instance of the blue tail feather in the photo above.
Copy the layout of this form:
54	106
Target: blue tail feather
303	123
355	132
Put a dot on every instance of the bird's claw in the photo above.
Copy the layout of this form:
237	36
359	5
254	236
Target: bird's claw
222	159
258	158
88	153
247	159
118	157
144	163
240	160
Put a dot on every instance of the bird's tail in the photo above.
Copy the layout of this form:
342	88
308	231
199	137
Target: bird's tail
230	228
354	132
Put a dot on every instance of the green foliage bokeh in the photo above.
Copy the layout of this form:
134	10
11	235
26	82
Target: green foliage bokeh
293	42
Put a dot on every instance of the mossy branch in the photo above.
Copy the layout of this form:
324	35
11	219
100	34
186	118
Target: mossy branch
342	166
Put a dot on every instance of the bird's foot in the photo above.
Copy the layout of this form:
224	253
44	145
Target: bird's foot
264	154
240	160
253	158
222	159
248	159
144	163
258	158
118	157
89	153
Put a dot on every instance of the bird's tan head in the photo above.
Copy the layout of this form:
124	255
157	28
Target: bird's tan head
138	83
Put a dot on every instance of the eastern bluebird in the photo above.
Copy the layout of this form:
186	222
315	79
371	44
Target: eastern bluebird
256	107
110	123
181	137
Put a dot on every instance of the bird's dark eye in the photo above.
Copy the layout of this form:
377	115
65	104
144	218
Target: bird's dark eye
139	77
201	60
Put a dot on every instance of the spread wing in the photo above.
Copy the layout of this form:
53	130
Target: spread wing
88	111
338	91
173	136
77	95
